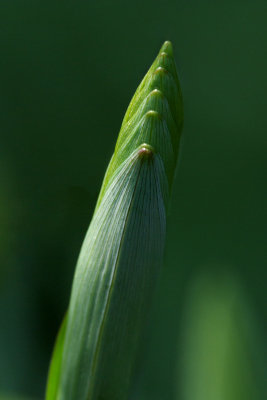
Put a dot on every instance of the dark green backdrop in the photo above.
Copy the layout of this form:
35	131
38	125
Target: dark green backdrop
67	72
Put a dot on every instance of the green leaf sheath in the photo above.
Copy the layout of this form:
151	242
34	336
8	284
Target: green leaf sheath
118	263
123	249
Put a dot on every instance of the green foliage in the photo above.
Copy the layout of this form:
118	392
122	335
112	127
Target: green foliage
122	252
220	352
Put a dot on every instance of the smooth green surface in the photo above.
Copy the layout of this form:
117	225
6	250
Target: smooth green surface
68	71
216	347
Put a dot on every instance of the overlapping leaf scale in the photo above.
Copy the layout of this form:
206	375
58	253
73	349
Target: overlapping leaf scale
162	75
154	116
125	241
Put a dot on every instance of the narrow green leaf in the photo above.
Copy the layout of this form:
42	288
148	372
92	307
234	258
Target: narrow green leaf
123	249
55	366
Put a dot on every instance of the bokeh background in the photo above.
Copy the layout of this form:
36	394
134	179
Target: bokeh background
68	70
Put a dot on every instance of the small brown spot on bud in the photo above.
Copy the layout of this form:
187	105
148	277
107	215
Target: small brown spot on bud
145	152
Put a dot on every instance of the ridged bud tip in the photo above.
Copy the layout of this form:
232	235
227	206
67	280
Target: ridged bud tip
167	48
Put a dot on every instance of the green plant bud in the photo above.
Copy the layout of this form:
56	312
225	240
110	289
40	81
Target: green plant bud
122	253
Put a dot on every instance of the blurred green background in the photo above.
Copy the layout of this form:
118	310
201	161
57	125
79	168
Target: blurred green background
68	70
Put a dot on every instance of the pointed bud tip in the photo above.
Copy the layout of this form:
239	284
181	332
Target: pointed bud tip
167	48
